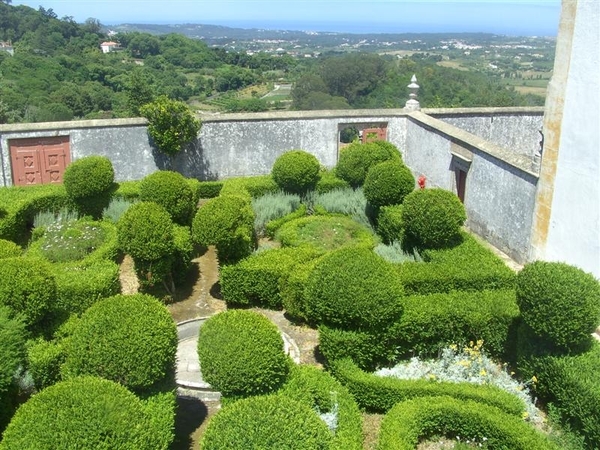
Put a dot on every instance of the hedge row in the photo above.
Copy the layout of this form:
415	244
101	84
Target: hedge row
379	394
329	182
432	322
209	189
8	249
256	279
408	422
87	412
21	204
274	225
249	187
572	386
320	391
12	356
467	267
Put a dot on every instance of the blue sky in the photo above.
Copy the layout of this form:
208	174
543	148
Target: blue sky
526	17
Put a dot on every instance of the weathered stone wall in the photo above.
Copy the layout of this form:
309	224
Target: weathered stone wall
516	129
500	185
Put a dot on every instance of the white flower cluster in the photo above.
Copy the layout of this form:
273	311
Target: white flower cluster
469	365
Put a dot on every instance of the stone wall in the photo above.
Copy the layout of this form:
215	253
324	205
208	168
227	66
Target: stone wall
500	185
516	129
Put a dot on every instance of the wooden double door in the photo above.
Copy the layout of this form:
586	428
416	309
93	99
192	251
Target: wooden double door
39	160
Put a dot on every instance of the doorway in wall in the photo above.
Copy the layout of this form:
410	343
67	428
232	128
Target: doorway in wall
39	160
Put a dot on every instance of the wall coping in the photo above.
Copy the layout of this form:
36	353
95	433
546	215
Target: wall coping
73	124
295	115
511	110
472	141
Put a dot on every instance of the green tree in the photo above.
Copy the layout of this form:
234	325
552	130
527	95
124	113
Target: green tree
171	124
139	91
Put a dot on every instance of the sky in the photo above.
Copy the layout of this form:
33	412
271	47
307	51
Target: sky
511	17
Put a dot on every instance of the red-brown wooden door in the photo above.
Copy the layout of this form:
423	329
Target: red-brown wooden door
39	160
374	134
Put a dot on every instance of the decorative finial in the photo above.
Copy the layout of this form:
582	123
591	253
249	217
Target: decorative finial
412	103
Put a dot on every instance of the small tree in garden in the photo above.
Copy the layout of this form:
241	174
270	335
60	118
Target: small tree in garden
296	172
560	303
89	182
171	124
171	191
432	218
145	232
356	159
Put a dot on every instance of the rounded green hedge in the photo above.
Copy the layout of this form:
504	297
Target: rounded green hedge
28	287
432	217
89	182
8	249
408	422
12	350
226	222
130	339
85	412
353	288
88	177
267	422
388	183
559	302
172	191
390	226
325	233
356	159
241	354
296	171
145	232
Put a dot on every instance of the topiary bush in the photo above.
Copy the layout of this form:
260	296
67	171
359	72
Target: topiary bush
432	217
388	183
89	182
28	287
407	423
318	390
353	288
241	354
328	181
85	412
356	159
12	356
171	191
136	350
560	303
256	279
79	287
296	172
9	249
227	222
274	422
145	232
390	226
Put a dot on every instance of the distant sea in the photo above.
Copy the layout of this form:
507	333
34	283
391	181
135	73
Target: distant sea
508	28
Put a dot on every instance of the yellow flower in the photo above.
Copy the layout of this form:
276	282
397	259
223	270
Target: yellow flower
483	373
534	379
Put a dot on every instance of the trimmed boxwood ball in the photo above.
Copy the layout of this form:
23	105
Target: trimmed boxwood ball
130	339
432	217
268	422
89	182
88	177
85	412
353	288
356	159
241	354
296	171
388	183
559	302
28	287
393	151
172	191
226	222
145	231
